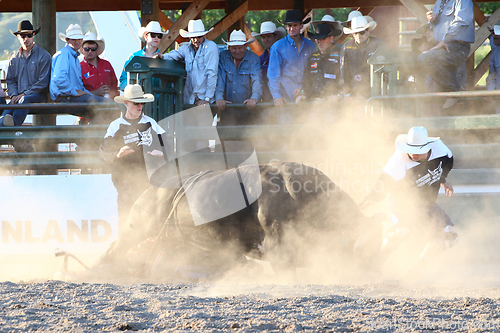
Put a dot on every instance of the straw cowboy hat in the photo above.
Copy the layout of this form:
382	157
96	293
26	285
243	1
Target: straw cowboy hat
196	28
269	27
294	16
327	19
353	14
153	26
416	141
74	31
496	28
134	93
24	27
238	38
91	37
358	23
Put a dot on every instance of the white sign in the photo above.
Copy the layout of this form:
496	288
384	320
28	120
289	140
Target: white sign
39	214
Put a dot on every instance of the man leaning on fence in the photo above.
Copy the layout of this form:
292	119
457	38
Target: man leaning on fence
201	57
66	83
28	75
239	80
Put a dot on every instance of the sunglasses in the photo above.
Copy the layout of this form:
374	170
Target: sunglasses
153	35
361	32
138	103
26	35
87	49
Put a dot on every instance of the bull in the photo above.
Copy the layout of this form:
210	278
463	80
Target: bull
300	214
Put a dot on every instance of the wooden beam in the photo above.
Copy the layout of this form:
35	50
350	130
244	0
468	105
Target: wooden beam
149	11
478	15
484	32
193	10
417	9
255	46
166	23
481	69
227	21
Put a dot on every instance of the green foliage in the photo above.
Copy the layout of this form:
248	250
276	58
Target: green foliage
479	55
488	7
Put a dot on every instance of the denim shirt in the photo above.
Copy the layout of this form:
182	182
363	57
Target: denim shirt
239	84
123	76
493	79
455	22
286	66
201	68
66	73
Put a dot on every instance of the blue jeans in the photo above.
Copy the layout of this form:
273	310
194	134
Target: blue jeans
19	115
442	66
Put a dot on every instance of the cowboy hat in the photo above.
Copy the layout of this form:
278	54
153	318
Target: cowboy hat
358	23
269	27
323	31
496	28
91	37
371	22
328	19
353	14
153	26
134	93
196	28
237	38
24	27
74	31
416	141
294	16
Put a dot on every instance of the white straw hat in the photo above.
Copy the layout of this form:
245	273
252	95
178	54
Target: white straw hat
74	31
196	28
416	141
269	27
134	93
153	26
371	22
91	37
358	23
238	37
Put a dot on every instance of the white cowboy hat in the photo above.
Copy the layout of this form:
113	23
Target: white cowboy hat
91	37
353	14
153	26
496	28
330	20
74	31
423	29
358	23
195	29
134	93
371	22
238	37
416	141
269	27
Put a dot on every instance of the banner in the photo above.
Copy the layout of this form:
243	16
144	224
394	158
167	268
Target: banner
39	214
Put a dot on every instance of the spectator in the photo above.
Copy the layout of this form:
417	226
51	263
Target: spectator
201	57
453	28
355	71
28	75
352	14
322	77
128	141
152	34
67	84
412	177
98	75
269	35
239	79
288	59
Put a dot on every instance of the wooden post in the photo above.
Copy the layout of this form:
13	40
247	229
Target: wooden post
44	16
149	11
231	6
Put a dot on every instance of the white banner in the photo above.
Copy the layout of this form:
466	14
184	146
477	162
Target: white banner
39	214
